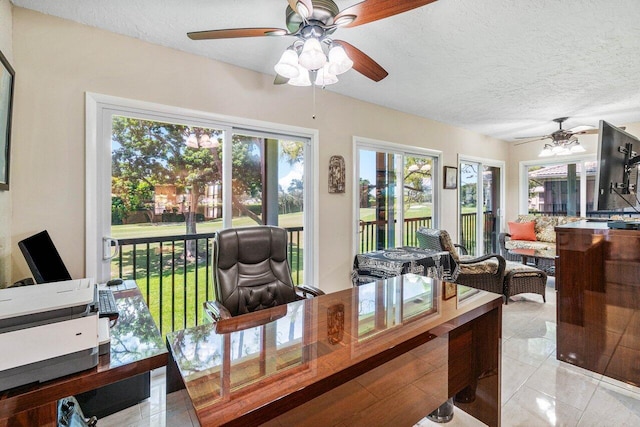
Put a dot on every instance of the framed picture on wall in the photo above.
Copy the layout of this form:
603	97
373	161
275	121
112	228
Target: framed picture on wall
6	101
450	177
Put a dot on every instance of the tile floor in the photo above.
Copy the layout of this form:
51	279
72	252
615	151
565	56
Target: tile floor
537	389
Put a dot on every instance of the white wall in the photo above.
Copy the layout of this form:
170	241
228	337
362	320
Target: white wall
59	60
6	30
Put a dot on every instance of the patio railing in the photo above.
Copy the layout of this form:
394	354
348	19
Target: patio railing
174	273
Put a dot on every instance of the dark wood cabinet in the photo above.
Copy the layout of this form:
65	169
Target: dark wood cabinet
598	308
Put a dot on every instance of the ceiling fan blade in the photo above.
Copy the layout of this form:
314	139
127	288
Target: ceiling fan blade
362	63
373	10
236	33
279	80
540	138
306	3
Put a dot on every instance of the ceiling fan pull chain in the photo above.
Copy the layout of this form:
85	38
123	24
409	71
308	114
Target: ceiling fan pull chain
313	84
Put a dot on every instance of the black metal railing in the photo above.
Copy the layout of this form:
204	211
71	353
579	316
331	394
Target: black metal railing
468	232
174	273
369	230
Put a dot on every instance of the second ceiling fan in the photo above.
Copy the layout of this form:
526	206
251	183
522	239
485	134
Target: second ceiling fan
312	22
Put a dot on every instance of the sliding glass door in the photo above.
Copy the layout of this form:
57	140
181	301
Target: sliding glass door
480	198
396	195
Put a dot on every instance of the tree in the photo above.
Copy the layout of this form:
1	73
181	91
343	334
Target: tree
148	153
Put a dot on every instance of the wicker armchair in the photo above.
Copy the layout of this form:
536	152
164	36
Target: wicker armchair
485	272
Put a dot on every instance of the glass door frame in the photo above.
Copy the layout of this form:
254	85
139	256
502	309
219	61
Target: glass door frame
100	108
397	150
481	161
523	178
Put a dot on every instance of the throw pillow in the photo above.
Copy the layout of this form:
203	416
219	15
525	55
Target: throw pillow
522	231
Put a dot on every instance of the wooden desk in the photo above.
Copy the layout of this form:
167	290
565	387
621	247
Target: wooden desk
136	348
384	353
598	285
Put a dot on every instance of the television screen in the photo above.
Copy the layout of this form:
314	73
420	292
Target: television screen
43	258
615	186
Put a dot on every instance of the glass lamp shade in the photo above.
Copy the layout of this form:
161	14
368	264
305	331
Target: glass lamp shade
577	148
565	151
557	149
302	79
339	62
324	77
546	152
312	57
287	66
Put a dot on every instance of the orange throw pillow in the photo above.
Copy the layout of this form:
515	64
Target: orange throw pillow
523	230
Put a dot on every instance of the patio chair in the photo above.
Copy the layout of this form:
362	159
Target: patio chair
251	272
485	272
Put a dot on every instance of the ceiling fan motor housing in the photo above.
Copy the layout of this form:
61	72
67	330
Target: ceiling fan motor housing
323	13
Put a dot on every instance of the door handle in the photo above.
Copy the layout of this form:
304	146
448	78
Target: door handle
106	248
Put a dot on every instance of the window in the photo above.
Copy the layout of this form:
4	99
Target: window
397	194
559	188
162	180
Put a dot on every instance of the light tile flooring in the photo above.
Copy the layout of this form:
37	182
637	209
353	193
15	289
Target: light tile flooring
537	389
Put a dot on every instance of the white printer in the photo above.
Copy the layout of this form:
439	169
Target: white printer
47	331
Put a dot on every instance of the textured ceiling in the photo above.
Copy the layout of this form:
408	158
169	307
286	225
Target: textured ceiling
503	68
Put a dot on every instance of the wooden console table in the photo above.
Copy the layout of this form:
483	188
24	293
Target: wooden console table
383	353
136	348
598	285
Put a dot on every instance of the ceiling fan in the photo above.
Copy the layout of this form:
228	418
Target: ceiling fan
312	22
563	141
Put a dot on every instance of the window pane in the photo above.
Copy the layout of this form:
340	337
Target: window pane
167	175
418	196
555	189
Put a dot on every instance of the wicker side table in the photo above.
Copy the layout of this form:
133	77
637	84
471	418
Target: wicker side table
520	278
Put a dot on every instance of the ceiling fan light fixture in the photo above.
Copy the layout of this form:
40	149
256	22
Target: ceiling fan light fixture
287	66
546	151
324	77
577	148
339	61
312	57
302	79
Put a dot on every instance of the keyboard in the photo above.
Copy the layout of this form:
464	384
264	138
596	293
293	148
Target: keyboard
107	306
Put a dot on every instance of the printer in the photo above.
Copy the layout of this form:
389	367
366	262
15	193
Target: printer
47	331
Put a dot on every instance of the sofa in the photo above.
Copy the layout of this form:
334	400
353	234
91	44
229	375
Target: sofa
542	236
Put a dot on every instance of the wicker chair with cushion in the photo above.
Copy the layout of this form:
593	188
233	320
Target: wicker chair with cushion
485	272
491	272
251	272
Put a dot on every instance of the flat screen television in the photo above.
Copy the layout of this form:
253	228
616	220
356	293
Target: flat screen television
617	177
43	258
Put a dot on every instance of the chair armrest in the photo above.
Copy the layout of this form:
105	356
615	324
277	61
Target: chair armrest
216	310
461	248
502	263
251	320
307	290
502	238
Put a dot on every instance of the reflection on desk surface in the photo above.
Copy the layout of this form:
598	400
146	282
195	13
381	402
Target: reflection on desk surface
300	348
135	335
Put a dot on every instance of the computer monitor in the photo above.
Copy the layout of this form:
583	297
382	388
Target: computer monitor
43	258
617	177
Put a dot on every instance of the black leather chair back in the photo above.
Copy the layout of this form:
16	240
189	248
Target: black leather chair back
251	271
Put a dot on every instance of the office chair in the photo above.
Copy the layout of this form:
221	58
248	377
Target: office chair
43	258
251	272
